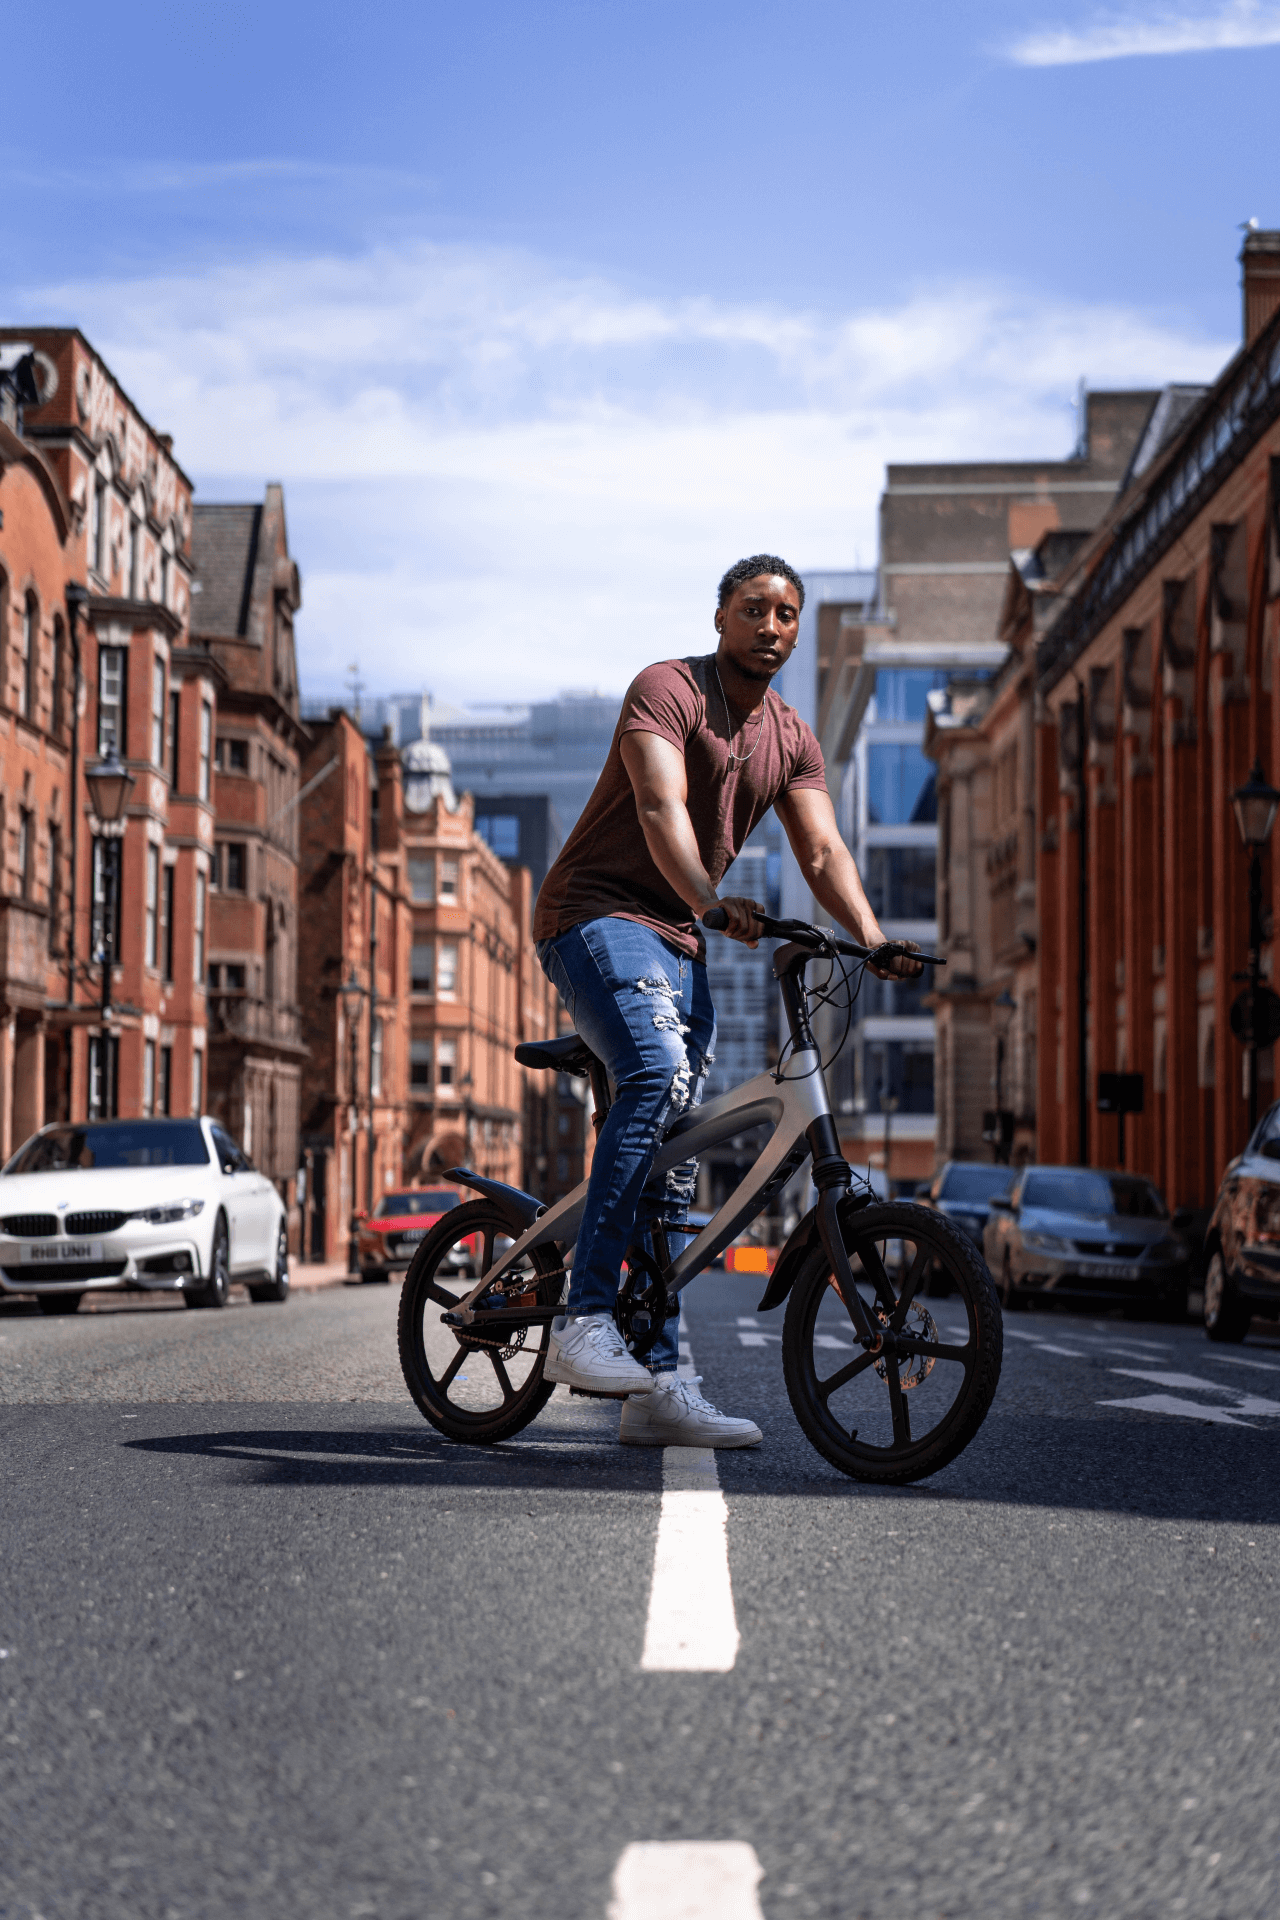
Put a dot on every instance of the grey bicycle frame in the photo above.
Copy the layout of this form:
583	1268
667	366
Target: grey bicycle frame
789	1102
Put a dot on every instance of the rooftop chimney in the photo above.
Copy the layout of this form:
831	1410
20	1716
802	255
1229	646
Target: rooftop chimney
1260	279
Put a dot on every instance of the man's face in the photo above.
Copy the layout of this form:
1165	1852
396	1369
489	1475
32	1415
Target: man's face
759	626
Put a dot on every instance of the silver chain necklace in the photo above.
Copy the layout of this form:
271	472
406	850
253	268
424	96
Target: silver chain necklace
741	758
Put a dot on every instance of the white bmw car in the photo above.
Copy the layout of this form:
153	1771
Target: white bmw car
164	1205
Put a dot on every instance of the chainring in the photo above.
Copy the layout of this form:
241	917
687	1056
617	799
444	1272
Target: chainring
641	1306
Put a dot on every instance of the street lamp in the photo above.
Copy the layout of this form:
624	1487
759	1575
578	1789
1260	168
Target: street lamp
109	784
1002	1011
1254	805
352	992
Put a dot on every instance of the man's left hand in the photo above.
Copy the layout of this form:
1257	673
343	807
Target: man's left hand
900	966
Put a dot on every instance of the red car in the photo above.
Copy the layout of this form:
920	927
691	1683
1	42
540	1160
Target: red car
388	1240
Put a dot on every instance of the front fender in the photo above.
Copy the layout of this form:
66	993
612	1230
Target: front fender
793	1256
520	1207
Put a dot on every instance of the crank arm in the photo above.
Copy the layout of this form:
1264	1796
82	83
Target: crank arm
501	1317
833	1245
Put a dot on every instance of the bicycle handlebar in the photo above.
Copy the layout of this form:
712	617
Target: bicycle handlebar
821	939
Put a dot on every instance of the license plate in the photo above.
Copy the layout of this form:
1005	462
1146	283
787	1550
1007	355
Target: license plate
1108	1270
53	1253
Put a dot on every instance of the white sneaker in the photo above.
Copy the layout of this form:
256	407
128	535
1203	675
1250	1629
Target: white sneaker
676	1415
590	1354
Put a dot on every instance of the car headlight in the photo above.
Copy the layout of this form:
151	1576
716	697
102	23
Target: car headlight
174	1210
1047	1243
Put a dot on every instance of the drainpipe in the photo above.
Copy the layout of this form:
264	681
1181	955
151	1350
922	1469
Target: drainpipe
1082	954
76	597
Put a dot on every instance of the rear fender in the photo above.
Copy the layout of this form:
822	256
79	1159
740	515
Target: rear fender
789	1262
520	1207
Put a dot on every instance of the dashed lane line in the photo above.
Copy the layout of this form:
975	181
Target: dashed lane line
1186	1409
692	1626
686	1880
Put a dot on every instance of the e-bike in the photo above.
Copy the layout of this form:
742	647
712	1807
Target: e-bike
887	1387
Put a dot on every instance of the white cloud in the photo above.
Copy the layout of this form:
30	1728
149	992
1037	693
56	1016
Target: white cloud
1119	36
502	479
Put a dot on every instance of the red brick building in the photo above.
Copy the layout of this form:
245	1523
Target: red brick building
246	592
1140	689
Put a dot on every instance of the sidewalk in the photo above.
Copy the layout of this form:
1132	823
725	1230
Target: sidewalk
330	1273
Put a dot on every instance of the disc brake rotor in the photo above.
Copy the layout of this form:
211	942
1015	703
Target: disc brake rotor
913	1368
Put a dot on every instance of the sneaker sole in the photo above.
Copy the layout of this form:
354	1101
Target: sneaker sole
608	1386
677	1440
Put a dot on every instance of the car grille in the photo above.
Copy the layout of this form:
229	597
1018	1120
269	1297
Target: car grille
30	1226
1111	1249
30	1279
79	1224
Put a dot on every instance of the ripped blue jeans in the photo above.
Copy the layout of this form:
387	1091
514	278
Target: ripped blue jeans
645	1009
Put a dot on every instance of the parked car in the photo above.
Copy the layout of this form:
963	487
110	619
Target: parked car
1070	1232
1242	1246
166	1206
963	1189
387	1239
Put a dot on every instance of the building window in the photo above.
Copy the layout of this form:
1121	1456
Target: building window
197	968
420	1064
206	746
104	1075
901	882
112	676
233	864
501	831
100	933
448	973
448	879
157	712
421	955
901	786
55	889
30	655
233	755
98	524
148	1077
26	838
422	878
166	925
164	1092
197	1082
375	1060
151	939
135	556
57	692
175	714
446	1061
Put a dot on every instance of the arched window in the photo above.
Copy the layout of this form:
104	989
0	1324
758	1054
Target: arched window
30	655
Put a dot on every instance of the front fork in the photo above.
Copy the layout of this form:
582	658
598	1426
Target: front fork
832	1179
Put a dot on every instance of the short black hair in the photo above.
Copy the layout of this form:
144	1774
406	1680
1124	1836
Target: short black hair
748	569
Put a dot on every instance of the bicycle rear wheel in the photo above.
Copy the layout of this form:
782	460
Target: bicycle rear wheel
901	1415
472	1384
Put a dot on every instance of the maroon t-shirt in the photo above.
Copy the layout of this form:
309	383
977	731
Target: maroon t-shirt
605	867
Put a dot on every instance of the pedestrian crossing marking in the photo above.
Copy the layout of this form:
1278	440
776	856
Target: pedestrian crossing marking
1188	1409
686	1880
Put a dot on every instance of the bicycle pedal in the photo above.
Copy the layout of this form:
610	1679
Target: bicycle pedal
589	1393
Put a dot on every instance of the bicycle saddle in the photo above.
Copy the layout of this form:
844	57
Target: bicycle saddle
568	1054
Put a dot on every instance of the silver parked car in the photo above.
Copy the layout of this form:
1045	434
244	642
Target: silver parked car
1074	1233
963	1190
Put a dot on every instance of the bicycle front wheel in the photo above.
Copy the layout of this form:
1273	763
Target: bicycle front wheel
473	1384
902	1414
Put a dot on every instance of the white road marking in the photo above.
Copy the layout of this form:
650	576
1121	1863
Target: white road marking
1068	1353
1233	1360
747	1320
692	1626
686	1880
1166	1403
1244	1402
762	1339
1015	1333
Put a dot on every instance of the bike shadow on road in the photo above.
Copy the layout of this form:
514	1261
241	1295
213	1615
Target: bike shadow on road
1131	1465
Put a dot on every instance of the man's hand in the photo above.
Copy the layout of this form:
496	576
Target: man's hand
744	917
900	966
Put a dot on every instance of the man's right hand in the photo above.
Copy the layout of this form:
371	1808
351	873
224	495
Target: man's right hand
744	917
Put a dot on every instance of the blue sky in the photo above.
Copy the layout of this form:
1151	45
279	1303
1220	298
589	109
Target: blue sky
546	313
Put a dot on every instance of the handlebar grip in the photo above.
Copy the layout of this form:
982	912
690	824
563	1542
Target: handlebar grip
717	919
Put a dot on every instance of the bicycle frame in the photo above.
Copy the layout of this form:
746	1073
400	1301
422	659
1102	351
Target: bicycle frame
794	1101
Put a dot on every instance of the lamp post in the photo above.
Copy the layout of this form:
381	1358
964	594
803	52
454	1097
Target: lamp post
888	1106
109	784
352	992
1254	805
1002	1011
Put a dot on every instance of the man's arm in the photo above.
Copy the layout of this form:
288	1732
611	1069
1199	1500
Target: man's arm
657	772
827	864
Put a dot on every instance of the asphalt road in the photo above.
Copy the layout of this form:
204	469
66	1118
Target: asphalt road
273	1649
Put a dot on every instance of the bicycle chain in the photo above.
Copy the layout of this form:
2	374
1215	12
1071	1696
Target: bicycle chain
508	1349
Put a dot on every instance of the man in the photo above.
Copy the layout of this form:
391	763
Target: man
703	748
